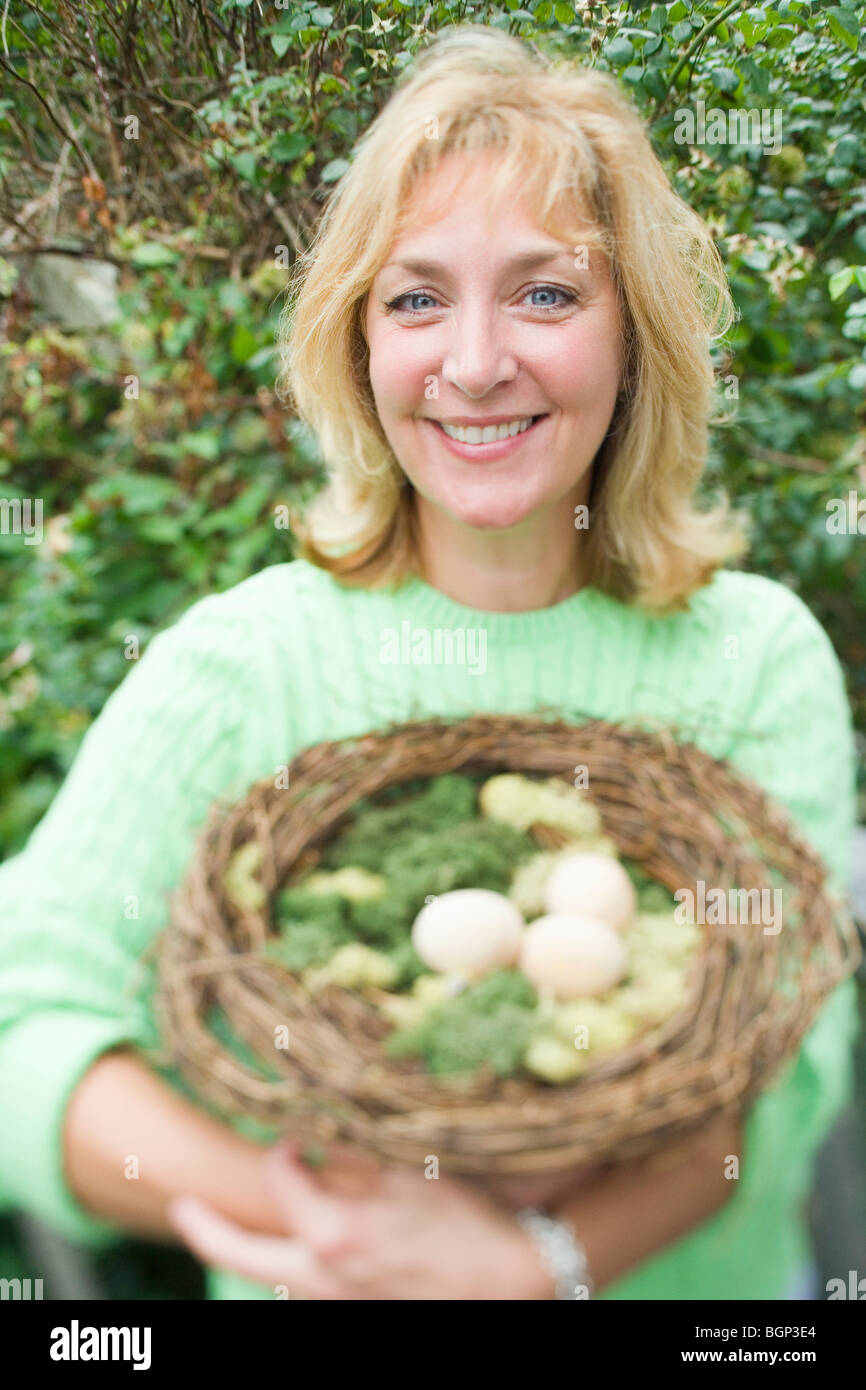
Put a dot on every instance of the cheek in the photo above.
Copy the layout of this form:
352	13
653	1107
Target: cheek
582	368
400	371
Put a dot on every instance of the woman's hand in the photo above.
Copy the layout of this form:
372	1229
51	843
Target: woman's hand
360	1230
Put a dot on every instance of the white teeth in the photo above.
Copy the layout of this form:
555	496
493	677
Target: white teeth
475	434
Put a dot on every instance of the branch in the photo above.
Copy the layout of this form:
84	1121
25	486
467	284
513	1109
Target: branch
288	227
85	252
116	160
804	465
51	116
694	45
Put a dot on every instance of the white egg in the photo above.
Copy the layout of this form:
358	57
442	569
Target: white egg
592	885
570	956
468	932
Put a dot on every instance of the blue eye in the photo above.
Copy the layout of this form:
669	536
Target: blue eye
410	308
415	303
567	296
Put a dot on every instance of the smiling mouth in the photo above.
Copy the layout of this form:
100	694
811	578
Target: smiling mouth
488	434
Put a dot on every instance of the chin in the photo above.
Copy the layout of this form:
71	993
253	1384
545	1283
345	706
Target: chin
490	511
483	521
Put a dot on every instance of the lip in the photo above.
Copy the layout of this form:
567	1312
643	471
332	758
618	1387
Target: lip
464	421
496	449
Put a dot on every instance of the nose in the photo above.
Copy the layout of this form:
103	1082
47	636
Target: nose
479	357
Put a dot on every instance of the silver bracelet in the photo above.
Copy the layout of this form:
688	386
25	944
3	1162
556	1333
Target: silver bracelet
561	1253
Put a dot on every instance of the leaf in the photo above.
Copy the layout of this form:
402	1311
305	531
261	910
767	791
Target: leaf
244	343
655	84
136	492
837	177
781	37
290	146
205	444
758	76
322	16
238	515
154	253
334	170
161	529
725	79
281	43
564	14
619	52
244	164
844	25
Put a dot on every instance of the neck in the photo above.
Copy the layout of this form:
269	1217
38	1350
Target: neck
533	565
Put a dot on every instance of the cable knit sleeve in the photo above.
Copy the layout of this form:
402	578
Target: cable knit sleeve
86	896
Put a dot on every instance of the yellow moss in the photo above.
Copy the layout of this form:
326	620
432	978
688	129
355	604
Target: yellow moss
521	802
607	1027
356	884
552	1059
353	967
241	886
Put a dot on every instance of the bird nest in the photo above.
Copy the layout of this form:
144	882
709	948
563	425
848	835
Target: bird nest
682	815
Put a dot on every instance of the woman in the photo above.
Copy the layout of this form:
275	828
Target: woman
501	341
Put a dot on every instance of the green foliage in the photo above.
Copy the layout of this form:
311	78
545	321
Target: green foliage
488	1022
311	925
165	465
476	854
651	896
443	804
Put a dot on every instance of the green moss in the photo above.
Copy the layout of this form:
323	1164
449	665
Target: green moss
446	801
474	854
385	923
651	895
312	927
489	1022
409	963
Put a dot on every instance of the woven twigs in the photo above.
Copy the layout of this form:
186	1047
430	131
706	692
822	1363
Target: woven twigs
682	815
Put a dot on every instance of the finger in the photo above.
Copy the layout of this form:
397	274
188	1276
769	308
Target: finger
345	1170
264	1259
349	1172
313	1215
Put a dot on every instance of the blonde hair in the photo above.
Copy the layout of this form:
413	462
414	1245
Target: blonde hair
578	151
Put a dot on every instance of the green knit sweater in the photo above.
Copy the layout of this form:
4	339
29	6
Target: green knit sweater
289	657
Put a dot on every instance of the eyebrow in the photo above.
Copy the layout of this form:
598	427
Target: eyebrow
528	260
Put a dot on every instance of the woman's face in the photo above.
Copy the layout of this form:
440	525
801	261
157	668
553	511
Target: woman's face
482	327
